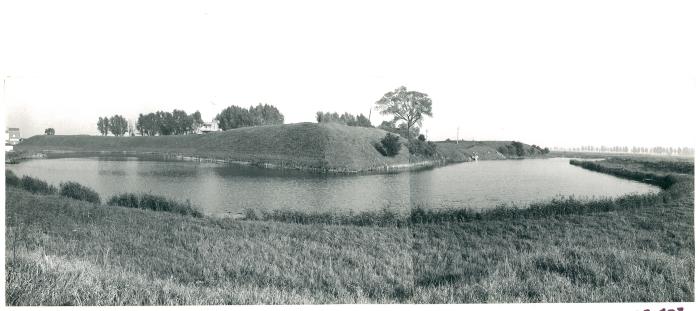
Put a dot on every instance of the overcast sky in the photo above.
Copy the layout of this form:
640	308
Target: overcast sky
542	72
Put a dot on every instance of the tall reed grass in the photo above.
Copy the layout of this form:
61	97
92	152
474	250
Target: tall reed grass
662	180
674	166
426	215
77	191
11	179
155	203
69	189
34	185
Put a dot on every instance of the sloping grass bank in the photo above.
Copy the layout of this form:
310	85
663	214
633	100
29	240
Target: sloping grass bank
454	152
324	147
63	251
310	146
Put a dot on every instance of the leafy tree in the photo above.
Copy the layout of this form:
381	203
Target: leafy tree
182	124
118	125
401	129
265	115
363	121
165	123
519	148
147	124
409	106
422	148
233	117
139	125
103	125
389	146
50	131
197	122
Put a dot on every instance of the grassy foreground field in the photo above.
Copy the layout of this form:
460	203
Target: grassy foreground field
639	248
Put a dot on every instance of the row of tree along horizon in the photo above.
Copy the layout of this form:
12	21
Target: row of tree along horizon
408	108
179	122
683	151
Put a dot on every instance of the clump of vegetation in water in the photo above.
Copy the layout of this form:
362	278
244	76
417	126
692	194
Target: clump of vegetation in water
389	146
155	203
77	191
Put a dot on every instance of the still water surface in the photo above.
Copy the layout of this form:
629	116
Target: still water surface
219	189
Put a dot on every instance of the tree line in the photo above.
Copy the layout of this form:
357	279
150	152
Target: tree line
409	107
235	117
177	122
686	151
345	118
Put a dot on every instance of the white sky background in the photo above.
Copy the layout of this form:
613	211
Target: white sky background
552	73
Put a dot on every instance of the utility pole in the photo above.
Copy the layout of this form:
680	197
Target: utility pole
458	135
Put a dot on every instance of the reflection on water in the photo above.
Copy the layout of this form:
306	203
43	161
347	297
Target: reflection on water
218	188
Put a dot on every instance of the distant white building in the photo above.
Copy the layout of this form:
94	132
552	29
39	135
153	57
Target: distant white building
208	127
12	136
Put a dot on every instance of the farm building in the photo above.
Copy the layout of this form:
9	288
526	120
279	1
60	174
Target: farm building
12	136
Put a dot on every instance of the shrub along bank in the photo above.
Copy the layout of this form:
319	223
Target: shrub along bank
154	203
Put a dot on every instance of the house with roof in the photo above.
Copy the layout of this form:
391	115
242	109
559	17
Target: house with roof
208	127
12	136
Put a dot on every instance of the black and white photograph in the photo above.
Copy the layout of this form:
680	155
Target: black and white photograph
374	153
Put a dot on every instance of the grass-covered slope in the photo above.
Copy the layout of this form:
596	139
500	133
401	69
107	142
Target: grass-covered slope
324	146
486	150
461	152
